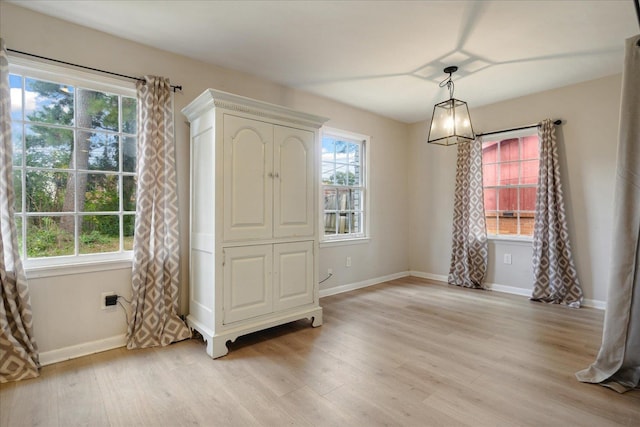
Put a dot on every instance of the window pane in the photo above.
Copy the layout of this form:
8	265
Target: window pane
490	175
49	191
328	149
129	184
526	223
508	199
49	147
100	194
15	85
328	173
50	236
356	222
330	223
492	222
330	199
129	154
97	110
101	151
508	223
528	199
509	150
99	233
529	172
19	232
341	175
129	114
356	200
16	139
354	153
357	176
490	200
342	223
490	152
343	200
48	102
508	173
128	230
17	190
530	147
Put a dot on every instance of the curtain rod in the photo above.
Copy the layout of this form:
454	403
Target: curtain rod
555	122
174	87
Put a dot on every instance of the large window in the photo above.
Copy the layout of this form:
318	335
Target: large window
74	160
344	184
510	174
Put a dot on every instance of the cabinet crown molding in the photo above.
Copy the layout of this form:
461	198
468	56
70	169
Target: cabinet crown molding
212	98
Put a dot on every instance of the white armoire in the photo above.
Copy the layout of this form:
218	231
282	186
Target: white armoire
253	230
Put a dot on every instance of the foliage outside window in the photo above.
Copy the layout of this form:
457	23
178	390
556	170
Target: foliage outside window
343	185
510	175
74	160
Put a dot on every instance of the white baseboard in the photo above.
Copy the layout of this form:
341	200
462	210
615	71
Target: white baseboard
363	284
84	349
600	305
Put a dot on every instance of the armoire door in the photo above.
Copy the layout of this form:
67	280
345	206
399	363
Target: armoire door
247	288
248	179
293	209
292	274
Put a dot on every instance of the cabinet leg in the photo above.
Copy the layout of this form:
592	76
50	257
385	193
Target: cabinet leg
217	347
317	320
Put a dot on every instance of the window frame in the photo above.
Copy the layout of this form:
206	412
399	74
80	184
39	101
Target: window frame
501	136
347	238
57	265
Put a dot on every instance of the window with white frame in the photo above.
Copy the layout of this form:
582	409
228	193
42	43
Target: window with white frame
344	184
510	163
74	164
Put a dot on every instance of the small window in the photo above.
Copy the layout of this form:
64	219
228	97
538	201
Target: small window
344	185
510	165
74	166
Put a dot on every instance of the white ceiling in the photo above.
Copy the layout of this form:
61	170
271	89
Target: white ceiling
383	56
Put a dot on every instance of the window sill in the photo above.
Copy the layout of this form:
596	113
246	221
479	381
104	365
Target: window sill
75	267
524	241
344	242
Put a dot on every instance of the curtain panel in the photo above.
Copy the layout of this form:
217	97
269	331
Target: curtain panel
469	248
555	275
155	285
18	348
618	362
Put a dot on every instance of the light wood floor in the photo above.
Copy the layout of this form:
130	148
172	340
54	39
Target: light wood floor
407	352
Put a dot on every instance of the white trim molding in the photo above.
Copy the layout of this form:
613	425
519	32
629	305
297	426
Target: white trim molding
84	349
363	284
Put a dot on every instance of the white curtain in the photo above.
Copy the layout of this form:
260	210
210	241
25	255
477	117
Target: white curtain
18	349
618	362
469	248
555	275
155	252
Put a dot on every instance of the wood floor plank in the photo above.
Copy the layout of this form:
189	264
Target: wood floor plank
408	352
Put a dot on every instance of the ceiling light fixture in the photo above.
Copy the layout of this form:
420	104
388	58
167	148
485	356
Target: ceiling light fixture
450	122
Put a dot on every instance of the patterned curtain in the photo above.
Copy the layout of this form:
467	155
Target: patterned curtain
155	251
555	276
618	363
18	349
469	251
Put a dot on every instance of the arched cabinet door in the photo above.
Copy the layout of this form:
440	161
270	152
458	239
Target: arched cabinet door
248	179
293	201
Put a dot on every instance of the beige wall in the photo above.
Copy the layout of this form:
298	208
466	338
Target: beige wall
587	147
67	308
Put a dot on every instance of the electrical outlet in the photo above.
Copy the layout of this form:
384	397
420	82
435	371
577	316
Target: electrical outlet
348	263
507	258
104	304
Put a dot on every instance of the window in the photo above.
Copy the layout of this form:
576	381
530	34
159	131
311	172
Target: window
74	159
510	165
344	185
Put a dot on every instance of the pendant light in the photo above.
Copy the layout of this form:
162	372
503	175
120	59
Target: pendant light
450	122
